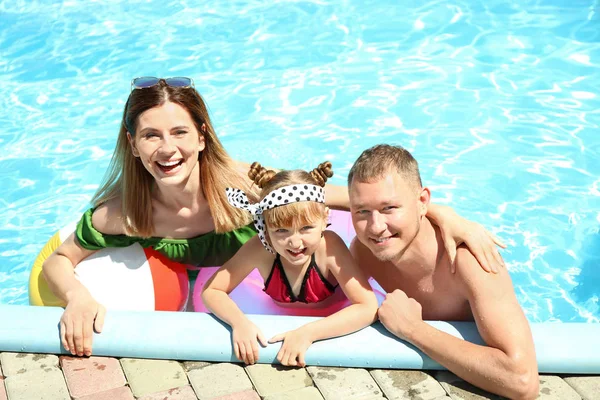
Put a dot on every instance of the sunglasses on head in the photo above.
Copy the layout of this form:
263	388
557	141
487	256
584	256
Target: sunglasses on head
144	82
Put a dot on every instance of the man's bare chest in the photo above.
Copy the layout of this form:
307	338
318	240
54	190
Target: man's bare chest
439	300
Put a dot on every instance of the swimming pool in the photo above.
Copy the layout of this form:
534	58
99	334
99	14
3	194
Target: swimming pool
499	103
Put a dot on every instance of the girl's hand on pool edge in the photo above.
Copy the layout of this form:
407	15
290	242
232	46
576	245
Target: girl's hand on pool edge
295	344
81	317
246	337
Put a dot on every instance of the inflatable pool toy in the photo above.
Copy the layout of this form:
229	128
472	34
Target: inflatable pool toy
127	278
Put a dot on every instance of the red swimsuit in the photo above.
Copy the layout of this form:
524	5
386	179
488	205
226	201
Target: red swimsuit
315	287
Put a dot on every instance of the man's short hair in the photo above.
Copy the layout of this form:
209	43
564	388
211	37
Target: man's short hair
380	159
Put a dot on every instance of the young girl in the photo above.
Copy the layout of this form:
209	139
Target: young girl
299	261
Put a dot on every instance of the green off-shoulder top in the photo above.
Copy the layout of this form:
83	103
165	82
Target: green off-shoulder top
209	249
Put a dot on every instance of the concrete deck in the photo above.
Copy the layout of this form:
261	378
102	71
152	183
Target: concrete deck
25	376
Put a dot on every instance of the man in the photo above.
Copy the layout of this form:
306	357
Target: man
403	251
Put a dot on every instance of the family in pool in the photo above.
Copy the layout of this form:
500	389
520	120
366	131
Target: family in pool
170	177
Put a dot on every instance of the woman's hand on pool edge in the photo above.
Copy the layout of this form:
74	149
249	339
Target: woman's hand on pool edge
245	337
81	317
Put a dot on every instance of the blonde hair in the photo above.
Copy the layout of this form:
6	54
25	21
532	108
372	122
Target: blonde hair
378	160
293	214
127	178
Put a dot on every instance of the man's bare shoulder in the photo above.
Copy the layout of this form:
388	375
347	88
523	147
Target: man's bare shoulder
475	280
467	267
107	218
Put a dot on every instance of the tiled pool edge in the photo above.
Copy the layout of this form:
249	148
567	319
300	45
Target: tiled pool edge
24	375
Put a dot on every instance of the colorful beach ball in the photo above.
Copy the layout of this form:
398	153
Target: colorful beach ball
127	278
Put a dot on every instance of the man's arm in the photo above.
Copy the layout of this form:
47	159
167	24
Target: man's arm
507	365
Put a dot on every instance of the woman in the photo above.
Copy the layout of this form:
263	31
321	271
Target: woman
165	189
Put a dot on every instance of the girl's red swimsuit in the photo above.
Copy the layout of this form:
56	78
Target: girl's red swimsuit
315	288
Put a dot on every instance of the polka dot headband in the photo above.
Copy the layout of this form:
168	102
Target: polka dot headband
278	197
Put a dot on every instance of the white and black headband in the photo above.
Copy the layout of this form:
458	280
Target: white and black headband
278	197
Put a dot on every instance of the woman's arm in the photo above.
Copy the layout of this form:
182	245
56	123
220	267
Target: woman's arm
336	197
216	298
457	230
59	269
82	313
361	313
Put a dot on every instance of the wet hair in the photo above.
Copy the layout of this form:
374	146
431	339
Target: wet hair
375	162
128	179
293	214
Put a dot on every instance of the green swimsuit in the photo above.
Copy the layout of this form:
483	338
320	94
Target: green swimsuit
209	249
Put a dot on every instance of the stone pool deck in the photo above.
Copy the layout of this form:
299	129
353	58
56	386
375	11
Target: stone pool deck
25	376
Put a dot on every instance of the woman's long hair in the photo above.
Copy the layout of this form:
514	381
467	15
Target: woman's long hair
127	178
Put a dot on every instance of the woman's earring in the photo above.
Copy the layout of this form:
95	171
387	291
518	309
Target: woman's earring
322	233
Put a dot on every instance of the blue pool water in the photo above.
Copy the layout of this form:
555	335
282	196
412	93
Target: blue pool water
498	102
